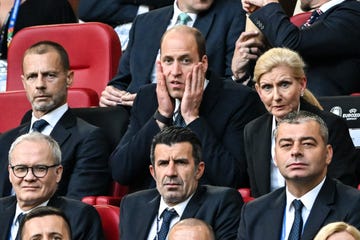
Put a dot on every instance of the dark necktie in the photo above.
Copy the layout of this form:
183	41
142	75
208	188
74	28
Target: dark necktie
19	219
314	16
167	216
183	19
179	120
296	229
39	125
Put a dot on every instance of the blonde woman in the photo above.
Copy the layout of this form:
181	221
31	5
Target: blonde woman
338	231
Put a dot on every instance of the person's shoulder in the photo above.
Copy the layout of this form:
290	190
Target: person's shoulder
351	4
258	121
220	192
228	4
156	12
346	191
142	196
71	205
264	201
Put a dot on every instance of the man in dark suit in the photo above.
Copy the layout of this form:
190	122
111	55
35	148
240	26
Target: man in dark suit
220	22
34	171
333	61
46	77
310	200
176	166
217	114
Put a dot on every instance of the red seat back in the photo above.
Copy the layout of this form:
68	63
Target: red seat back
94	52
110	217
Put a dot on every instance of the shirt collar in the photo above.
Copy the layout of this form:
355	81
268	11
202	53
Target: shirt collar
52	117
19	210
307	199
326	6
179	208
177	12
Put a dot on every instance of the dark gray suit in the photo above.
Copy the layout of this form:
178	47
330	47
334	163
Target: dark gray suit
263	217
221	26
218	206
84	220
85	154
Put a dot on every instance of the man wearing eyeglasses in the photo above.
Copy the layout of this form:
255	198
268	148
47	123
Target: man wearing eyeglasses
34	171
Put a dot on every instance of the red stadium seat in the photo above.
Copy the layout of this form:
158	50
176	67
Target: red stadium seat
94	52
110	217
14	104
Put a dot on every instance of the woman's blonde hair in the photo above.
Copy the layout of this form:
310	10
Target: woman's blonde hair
335	227
276	57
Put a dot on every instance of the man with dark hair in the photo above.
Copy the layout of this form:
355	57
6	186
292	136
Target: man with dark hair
310	199
187	94
45	223
35	171
177	168
46	79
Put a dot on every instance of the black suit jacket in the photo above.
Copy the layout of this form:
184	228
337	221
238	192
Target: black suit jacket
85	154
115	12
84	220
257	138
225	109
218	206
263	217
333	60
221	25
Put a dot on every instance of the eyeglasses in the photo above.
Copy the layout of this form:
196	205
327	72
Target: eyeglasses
38	171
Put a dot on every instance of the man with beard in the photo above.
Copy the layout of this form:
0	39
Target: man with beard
46	78
177	166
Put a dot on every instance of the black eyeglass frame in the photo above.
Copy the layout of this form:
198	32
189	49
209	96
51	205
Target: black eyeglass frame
46	169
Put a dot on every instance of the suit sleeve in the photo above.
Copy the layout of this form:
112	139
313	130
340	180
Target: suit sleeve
131	158
242	231
90	174
325	38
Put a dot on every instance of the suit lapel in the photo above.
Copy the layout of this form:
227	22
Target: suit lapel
274	218
147	213
322	206
194	204
211	94
60	132
263	155
204	21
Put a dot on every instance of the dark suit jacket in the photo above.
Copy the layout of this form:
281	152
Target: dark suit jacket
85	154
218	206
84	220
115	12
225	109
257	138
333	60
221	25
263	217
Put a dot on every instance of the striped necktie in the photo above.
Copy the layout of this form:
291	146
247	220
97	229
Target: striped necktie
314	16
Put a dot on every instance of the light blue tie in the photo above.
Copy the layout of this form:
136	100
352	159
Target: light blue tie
183	19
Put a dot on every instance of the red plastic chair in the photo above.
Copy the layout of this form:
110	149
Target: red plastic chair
94	52
14	104
300	18
110	218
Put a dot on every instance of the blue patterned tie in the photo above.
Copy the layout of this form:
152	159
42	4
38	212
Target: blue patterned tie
296	229
39	125
167	216
183	19
179	120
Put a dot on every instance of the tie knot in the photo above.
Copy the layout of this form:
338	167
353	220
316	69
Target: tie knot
183	19
20	218
39	125
297	205
169	214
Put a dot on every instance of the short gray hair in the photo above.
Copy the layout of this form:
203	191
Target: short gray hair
37	137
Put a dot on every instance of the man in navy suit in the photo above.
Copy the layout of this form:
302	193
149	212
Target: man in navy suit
215	109
85	152
35	170
220	22
176	165
302	154
333	61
